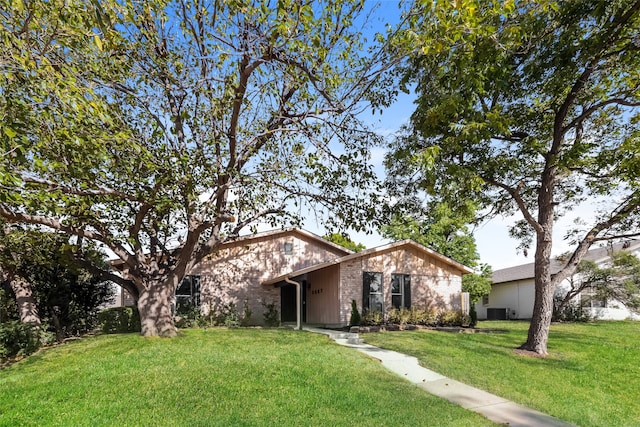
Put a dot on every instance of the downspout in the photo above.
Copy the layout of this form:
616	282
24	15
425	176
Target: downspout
298	298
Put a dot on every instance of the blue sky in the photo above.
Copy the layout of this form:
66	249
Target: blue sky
494	244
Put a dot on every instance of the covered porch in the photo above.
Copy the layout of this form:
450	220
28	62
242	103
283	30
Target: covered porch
309	296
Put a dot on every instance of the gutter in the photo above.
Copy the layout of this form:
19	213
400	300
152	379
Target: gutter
298	298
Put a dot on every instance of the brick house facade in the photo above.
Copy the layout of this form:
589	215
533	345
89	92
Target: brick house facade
432	281
262	269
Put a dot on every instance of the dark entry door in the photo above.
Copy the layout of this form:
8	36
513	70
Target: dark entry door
288	303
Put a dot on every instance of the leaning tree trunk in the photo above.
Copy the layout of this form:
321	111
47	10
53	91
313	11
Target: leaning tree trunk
25	301
154	305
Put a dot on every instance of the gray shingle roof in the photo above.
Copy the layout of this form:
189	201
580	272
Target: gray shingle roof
525	271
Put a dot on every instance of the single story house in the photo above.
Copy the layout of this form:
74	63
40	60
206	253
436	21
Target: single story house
513	290
311	280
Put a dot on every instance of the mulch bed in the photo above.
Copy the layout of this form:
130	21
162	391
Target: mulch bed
455	329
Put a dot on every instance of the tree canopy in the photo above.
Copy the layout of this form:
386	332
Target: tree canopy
48	288
528	107
345	241
618	281
438	227
446	231
170	127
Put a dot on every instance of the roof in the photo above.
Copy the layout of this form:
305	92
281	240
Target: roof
379	249
273	233
525	271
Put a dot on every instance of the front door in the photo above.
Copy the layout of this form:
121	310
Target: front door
288	302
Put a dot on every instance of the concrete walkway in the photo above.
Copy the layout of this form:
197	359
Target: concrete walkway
493	407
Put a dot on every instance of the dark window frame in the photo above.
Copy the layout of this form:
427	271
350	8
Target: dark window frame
288	248
400	290
377	303
187	295
589	298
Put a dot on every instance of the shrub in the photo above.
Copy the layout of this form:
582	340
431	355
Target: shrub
230	316
118	320
569	313
189	319
473	314
18	339
425	317
400	316
372	318
355	314
271	315
393	316
450	318
246	314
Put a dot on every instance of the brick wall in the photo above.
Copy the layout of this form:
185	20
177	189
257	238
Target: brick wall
434	283
235	273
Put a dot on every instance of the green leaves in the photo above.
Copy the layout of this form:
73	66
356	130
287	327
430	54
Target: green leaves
507	94
145	124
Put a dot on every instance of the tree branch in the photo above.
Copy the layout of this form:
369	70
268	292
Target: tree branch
515	195
628	207
53	186
118	249
585	114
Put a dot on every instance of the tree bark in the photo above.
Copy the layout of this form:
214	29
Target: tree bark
543	305
24	299
55	318
154	305
544	285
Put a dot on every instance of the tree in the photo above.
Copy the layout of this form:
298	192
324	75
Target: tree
444	230
163	129
345	241
12	271
529	108
438	227
50	288
619	281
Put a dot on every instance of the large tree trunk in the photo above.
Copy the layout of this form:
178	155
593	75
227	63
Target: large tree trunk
25	301
154	305
541	319
544	285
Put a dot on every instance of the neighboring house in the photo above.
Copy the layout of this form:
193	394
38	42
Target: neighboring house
513	291
298	271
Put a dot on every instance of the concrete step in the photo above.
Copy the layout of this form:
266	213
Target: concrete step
342	335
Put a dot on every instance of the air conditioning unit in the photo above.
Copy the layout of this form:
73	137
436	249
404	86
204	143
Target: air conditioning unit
513	315
497	313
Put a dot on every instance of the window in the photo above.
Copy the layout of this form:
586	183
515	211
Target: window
401	291
372	291
288	248
485	300
589	298
188	294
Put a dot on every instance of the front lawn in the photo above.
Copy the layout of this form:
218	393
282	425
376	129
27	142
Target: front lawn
591	377
239	377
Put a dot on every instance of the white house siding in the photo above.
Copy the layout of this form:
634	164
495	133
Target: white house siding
515	296
519	294
614	311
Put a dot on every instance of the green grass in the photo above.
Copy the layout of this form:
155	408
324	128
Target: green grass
241	377
591	377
